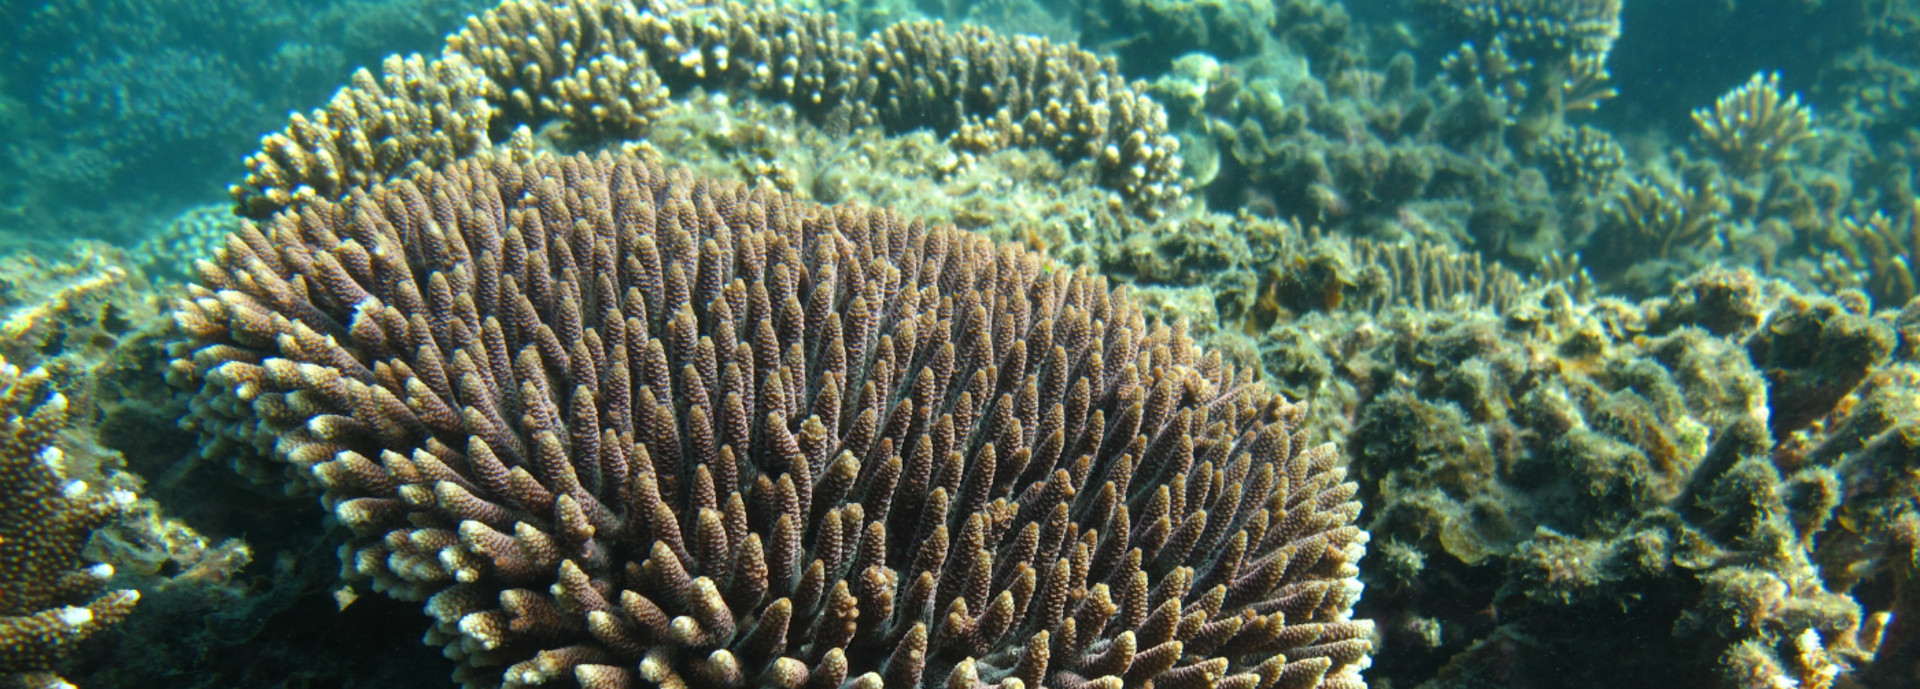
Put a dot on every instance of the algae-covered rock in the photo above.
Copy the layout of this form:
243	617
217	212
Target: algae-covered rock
1614	463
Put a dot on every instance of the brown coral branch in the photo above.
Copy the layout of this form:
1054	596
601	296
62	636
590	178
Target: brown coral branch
710	435
51	598
605	67
1754	127
416	115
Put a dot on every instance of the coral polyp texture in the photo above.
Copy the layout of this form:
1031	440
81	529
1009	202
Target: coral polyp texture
416	115
51	597
625	427
604	68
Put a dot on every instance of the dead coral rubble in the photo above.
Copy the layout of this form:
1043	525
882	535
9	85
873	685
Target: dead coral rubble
626	426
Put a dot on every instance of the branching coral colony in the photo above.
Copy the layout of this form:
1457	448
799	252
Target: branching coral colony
51	598
1754	127
626	427
602	67
619	426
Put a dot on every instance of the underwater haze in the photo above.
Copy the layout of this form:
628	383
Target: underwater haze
981	344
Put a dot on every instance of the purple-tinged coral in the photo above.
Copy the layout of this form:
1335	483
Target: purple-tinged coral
625	427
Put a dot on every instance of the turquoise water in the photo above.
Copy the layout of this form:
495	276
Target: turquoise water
1608	305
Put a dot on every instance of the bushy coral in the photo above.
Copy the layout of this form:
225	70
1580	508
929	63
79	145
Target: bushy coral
1886	249
1657	218
416	115
51	597
1582	158
603	67
623	425
1754	127
1585	27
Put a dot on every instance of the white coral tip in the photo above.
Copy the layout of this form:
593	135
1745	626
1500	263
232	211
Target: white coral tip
74	617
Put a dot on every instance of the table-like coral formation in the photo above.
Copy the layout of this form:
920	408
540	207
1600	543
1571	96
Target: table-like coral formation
626	426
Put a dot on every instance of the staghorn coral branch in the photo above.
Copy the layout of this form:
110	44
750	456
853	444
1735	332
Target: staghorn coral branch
50	597
1753	127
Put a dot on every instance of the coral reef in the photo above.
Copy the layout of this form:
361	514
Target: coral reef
1869	548
1580	158
1693	465
1147	35
602	67
1380	154
1753	127
1653	218
1886	250
1011	195
1543	58
1504	153
67	310
82	441
1373	277
1576	27
1814	352
196	231
51	597
768	442
415	116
